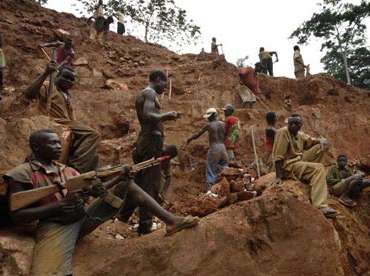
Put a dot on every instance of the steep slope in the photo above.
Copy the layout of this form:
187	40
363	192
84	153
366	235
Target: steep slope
329	108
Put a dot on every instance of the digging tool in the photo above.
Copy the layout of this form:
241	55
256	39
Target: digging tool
78	183
255	153
170	93
46	54
259	100
222	50
51	83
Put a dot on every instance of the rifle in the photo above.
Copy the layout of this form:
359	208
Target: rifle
78	183
51	83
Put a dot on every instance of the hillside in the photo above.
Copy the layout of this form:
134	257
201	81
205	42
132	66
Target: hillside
329	107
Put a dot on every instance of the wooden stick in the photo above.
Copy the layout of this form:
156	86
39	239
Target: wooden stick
51	84
46	54
169	94
255	153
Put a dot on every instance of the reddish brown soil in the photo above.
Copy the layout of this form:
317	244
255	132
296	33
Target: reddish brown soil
282	232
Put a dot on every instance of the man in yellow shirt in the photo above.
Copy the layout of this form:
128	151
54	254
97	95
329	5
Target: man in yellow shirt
85	140
298	63
299	156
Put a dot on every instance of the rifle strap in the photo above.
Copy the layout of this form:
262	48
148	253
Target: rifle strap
60	187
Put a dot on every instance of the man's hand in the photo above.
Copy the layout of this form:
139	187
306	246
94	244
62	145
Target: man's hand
324	144
51	67
173	115
277	181
98	190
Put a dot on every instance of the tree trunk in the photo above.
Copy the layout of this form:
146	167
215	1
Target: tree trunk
345	61
146	32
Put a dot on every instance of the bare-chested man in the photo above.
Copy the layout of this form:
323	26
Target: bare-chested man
150	141
217	154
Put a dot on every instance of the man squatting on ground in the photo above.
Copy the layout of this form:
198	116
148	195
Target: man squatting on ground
217	154
299	156
248	84
85	140
345	184
232	126
149	144
63	218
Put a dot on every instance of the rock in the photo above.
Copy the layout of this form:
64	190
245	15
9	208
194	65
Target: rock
81	61
236	186
222	188
97	73
114	84
207	205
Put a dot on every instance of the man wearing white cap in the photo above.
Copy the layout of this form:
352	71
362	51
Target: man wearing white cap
217	154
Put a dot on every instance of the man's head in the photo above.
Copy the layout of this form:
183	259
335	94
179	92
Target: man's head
170	150
213	39
45	144
262	49
211	114
271	118
228	109
294	123
342	160
296	47
258	67
66	78
67	43
158	81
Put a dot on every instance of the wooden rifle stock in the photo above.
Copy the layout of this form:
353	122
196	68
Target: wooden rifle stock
25	198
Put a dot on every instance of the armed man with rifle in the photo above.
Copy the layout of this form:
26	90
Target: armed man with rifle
85	140
62	216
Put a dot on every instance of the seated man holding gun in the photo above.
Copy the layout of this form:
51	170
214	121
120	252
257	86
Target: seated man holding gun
62	216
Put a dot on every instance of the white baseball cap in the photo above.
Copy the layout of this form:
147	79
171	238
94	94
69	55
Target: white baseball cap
210	112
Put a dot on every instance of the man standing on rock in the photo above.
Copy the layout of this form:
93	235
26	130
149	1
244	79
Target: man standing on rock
150	140
232	127
299	156
217	154
62	217
83	151
298	63
343	183
248	84
266	61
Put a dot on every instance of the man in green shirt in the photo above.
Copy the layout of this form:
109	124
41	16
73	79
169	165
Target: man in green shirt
343	183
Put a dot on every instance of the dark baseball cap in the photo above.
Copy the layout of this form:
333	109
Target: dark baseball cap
228	107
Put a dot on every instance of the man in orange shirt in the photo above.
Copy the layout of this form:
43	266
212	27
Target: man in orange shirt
232	127
248	84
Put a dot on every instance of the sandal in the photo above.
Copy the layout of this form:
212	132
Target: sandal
346	201
187	222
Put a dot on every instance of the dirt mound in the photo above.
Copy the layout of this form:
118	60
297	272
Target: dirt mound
274	234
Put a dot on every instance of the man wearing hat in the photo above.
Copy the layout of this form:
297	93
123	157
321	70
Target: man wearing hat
217	154
232	127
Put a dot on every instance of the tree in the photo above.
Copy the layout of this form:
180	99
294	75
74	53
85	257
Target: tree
341	27
359	66
40	2
160	20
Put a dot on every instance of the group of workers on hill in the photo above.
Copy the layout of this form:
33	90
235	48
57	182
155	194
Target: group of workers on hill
64	217
248	85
